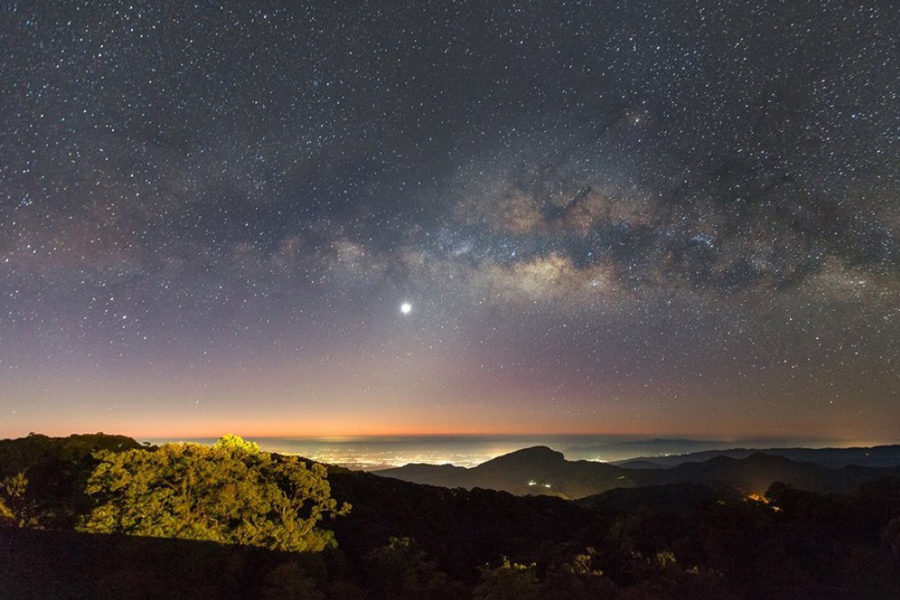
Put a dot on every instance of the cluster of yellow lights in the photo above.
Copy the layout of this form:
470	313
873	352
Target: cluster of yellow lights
532	483
762	500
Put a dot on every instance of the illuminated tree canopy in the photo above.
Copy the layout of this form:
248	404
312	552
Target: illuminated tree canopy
14	507
229	493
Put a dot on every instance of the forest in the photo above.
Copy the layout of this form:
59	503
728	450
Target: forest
100	516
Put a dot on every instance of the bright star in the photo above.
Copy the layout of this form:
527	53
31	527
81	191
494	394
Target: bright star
406	308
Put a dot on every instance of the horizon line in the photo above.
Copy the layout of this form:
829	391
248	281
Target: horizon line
350	438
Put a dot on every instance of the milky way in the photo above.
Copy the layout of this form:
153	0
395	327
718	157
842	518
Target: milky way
637	217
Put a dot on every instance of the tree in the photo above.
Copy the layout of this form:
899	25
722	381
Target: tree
402	571
231	492
509	581
290	582
15	508
577	579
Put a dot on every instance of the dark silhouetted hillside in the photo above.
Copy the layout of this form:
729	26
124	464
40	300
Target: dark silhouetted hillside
682	499
685	533
875	457
541	471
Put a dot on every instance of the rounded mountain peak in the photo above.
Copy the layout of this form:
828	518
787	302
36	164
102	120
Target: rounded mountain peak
534	456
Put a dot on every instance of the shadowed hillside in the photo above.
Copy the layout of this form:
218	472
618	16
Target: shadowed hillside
703	537
876	456
542	471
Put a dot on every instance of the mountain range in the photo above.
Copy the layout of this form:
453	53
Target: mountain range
876	456
543	471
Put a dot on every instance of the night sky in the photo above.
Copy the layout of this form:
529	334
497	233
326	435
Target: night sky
344	218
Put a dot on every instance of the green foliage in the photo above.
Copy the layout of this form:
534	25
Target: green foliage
15	509
237	443
290	582
570	582
19	454
229	493
509	581
401	571
57	470
670	543
578	579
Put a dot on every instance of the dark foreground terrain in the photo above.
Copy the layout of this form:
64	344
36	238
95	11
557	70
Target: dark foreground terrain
401	540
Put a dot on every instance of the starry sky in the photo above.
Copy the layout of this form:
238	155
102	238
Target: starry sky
346	218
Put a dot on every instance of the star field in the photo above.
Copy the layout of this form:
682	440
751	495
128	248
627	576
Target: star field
450	217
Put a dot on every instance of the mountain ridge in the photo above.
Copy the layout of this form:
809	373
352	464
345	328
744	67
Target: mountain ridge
542	471
863	456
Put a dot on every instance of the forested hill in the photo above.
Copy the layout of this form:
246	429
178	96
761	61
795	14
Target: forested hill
875	456
542	471
18	454
236	510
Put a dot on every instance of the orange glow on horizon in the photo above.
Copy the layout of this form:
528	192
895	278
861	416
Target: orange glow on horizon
344	431
348	415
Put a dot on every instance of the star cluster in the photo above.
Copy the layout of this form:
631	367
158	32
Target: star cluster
379	217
